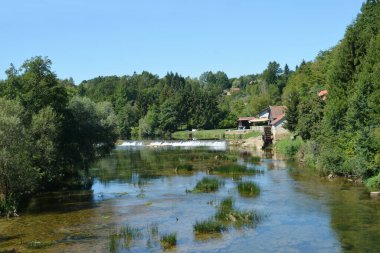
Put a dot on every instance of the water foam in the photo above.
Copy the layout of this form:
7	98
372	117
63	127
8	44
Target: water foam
215	145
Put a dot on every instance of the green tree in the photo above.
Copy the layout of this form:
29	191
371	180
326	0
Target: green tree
90	130
149	124
272	72
310	118
36	86
18	178
44	133
292	101
168	117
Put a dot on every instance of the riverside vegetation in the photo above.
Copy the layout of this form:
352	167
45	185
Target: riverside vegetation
48	135
51	129
341	134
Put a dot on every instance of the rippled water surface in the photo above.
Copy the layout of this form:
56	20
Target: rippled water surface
143	188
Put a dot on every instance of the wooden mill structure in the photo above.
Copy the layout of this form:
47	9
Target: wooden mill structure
267	136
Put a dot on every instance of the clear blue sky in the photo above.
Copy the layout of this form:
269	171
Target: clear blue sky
88	38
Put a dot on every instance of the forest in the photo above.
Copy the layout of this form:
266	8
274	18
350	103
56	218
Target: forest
51	129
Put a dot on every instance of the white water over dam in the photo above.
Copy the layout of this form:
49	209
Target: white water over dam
214	145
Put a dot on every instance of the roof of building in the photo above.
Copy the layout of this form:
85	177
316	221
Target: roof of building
277	111
278	120
259	120
246	118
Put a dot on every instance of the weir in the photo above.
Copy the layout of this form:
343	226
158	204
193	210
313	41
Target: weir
214	145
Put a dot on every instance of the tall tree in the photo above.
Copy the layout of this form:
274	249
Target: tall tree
18	177
36	86
272	72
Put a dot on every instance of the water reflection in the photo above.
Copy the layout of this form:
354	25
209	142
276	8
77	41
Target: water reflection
61	202
138	187
355	217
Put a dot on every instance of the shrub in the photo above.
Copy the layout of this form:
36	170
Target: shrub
373	183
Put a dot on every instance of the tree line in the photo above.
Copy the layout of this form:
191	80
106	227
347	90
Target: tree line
342	132
149	106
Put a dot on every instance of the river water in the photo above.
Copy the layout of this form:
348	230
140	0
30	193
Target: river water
138	185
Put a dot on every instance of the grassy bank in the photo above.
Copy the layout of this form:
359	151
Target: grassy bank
289	147
215	134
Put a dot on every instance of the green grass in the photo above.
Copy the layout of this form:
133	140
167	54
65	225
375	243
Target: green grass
209	226
248	189
216	134
169	240
207	184
243	135
289	147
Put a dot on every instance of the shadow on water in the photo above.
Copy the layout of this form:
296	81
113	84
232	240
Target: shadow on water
62	202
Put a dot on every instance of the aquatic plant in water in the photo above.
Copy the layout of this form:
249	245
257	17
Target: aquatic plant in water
226	212
248	189
168	240
207	184
234	170
209	226
124	238
226	215
152	232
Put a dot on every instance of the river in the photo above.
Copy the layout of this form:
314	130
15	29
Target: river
138	185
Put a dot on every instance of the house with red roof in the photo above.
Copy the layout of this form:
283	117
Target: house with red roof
244	122
273	116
